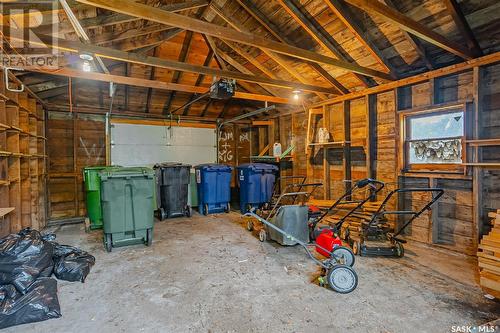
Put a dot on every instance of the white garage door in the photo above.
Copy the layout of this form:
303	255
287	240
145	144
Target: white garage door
146	145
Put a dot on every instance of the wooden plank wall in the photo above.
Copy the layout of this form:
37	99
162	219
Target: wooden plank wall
235	146
452	224
74	142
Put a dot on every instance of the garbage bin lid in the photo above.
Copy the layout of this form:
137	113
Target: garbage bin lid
127	172
258	166
171	165
214	167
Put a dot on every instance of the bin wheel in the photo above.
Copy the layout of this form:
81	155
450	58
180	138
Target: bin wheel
262	235
344	254
343	279
228	208
356	247
149	237
108	242
250	225
163	214
87	225
400	251
189	211
205	211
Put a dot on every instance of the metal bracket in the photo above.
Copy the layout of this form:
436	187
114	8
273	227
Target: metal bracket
6	77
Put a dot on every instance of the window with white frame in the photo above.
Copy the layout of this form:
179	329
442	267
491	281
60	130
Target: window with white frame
435	138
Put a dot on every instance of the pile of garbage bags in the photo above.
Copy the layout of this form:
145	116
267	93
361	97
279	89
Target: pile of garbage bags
28	259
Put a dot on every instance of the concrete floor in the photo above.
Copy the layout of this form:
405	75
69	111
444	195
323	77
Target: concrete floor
208	274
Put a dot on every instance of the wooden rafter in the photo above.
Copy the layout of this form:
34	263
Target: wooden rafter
324	39
155	84
113	19
280	36
412	26
161	16
151	77
284	64
186	46
343	12
462	25
147	41
199	80
103	52
112	37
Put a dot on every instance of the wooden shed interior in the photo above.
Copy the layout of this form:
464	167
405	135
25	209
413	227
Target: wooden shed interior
403	91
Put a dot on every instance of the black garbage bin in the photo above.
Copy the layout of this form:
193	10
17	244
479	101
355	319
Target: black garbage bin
172	180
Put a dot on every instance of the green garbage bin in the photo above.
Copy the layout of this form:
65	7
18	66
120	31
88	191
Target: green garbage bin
93	195
127	206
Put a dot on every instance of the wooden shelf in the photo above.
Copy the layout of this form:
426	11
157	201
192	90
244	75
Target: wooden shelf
483	142
4	126
5	211
5	153
4	183
325	144
484	165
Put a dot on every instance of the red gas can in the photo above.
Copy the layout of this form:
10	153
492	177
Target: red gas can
327	240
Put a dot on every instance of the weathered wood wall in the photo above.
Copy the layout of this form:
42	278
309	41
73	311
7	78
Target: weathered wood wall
456	222
74	142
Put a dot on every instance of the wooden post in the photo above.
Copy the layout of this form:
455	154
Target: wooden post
326	163
371	142
347	145
477	172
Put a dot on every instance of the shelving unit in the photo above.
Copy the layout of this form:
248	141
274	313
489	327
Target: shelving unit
22	161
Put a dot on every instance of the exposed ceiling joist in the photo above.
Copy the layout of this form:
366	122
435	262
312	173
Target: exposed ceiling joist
413	40
103	52
284	64
199	81
412	26
164	17
462	25
112	19
147	42
323	38
280	36
343	12
155	84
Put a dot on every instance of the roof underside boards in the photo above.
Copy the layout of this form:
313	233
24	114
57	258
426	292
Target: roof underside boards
308	24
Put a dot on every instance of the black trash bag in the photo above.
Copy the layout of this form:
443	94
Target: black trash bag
39	303
23	258
71	263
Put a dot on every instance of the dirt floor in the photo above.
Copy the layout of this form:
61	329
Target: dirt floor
208	274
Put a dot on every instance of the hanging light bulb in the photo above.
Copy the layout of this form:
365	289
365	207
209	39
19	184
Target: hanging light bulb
86	66
296	94
87	58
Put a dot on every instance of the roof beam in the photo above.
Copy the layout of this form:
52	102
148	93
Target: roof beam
186	46
343	12
325	40
413	40
412	26
161	16
274	56
462	25
199	81
280	36
151	77
147	41
155	84
103	52
112	19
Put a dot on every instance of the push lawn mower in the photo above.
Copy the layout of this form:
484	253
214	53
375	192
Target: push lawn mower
375	237
287	225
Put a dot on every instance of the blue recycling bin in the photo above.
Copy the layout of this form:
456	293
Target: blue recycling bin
214	188
256	184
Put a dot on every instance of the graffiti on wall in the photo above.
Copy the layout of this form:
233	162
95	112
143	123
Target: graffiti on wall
226	153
